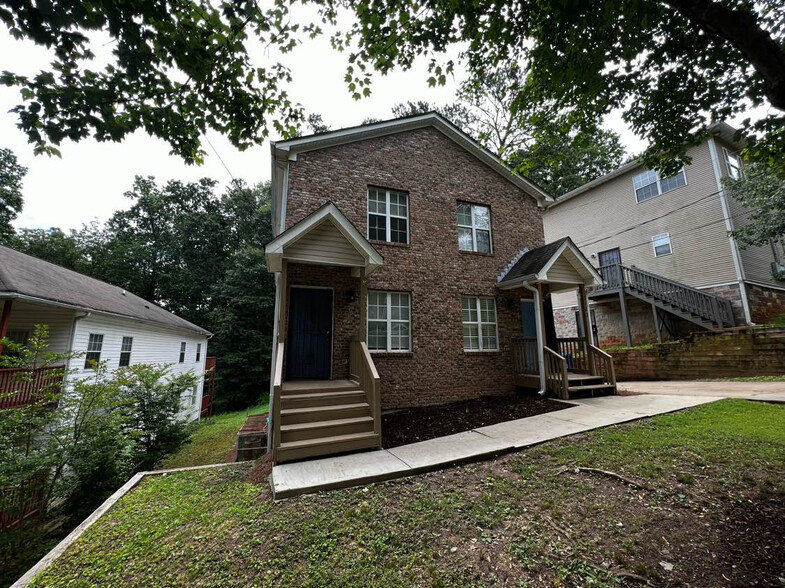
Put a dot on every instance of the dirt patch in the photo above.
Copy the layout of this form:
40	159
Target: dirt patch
261	469
427	422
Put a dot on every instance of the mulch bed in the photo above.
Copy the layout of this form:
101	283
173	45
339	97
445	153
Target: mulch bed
428	422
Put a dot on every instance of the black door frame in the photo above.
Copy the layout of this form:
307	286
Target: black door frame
332	321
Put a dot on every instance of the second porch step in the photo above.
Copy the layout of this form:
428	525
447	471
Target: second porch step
322	429
591	390
288	451
313	399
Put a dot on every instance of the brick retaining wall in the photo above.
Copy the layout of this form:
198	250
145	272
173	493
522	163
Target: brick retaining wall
731	353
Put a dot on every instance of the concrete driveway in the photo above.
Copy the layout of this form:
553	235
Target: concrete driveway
765	391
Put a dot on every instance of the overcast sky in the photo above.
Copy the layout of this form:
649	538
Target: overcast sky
89	181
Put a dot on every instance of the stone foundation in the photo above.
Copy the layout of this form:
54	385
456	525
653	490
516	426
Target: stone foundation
765	303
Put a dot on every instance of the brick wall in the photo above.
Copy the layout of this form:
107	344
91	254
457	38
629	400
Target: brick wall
730	292
732	353
765	303
437	174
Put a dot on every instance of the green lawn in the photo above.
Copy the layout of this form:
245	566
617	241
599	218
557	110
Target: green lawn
212	440
708	510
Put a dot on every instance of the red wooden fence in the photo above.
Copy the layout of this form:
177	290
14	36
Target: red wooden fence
20	386
208	391
21	502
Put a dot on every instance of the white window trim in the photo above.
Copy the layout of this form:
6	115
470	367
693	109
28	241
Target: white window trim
183	352
473	227
198	357
479	324
389	321
387	214
661	236
726	155
99	351
660	191
129	352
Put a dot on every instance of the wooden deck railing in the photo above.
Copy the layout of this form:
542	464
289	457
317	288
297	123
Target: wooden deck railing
275	424
362	369
524	356
573	349
688	299
21	502
556	373
19	386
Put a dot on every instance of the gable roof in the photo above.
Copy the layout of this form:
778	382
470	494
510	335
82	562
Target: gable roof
26	277
721	129
534	264
288	149
275	250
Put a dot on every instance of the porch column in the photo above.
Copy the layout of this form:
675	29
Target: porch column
4	318
363	308
284	286
584	305
624	318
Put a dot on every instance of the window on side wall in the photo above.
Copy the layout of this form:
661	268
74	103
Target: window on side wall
389	321
732	164
93	356
388	215
661	244
182	352
194	394
474	228
648	184
480	329
125	351
198	352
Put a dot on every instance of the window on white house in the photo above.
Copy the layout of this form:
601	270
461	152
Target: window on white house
194	394
125	351
474	227
388	215
649	184
198	352
480	332
733	164
182	352
389	321
94	345
18	336
661	244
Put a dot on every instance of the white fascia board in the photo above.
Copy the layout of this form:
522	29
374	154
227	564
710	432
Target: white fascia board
588	267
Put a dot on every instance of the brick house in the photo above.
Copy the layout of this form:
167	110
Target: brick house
411	270
664	248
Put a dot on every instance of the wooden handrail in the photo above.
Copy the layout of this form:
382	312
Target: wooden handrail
603	364
275	424
362	369
573	349
556	373
524	355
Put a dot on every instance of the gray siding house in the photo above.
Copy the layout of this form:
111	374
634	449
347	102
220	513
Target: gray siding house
664	248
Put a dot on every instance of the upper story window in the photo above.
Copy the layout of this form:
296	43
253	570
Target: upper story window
732	163
388	215
480	331
125	351
389	321
198	352
182	352
474	227
661	244
94	346
649	184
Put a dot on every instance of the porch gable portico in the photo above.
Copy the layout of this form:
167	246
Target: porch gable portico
324	386
561	366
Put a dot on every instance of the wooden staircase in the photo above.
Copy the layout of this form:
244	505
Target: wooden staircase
321	417
587	385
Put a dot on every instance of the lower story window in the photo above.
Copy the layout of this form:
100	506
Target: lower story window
125	351
480	331
661	244
389	321
94	346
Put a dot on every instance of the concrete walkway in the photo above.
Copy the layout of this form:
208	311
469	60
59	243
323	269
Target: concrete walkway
765	391
373	466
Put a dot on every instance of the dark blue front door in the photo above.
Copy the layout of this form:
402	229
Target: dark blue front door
309	345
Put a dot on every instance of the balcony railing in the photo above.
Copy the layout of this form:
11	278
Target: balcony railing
20	386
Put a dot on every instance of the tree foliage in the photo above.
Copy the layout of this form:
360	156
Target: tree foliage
763	195
11	176
172	68
673	67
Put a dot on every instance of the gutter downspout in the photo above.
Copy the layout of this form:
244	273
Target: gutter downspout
540	335
72	338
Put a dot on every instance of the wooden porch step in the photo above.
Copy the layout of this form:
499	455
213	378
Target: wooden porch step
326	445
331	428
313	399
311	386
310	414
591	390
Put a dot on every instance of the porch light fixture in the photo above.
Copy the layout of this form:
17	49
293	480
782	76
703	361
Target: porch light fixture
353	296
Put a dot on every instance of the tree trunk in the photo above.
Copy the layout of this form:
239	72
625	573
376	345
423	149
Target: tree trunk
742	30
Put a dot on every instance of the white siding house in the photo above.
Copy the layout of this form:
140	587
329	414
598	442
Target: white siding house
87	316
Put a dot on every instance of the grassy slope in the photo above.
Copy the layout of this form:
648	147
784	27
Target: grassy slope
212	440
524	519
